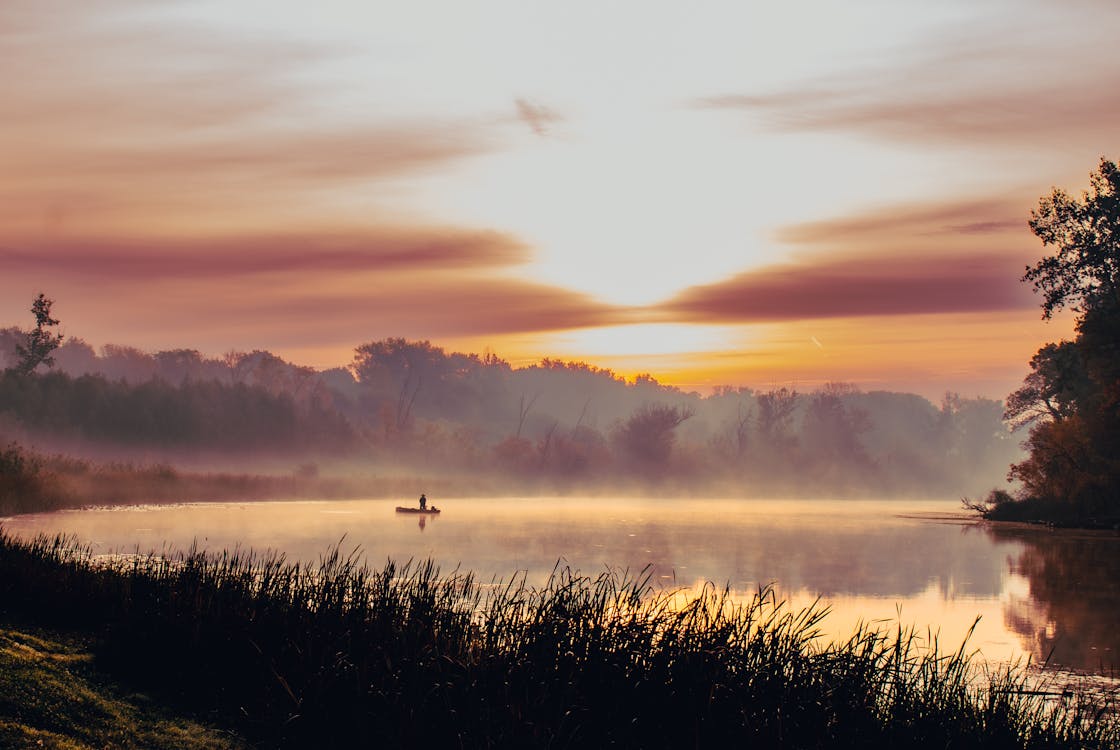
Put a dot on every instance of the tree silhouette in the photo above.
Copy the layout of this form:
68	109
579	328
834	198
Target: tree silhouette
40	342
1084	273
1052	390
1072	395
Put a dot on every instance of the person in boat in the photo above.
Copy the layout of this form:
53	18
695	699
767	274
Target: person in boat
423	502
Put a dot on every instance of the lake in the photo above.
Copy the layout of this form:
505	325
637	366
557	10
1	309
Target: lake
1039	593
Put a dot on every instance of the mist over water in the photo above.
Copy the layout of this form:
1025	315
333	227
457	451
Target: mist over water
913	562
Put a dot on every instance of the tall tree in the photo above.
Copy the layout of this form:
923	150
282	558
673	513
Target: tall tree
1072	395
40	341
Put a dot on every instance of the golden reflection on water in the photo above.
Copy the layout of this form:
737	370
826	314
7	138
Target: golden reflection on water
936	621
1037	593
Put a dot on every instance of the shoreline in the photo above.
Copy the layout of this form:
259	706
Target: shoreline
322	654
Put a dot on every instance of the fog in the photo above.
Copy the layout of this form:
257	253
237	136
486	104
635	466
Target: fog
474	424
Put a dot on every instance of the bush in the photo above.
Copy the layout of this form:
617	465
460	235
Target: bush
25	483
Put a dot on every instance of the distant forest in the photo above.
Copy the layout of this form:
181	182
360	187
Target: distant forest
410	407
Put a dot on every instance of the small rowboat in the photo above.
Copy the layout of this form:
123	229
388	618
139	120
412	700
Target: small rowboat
429	511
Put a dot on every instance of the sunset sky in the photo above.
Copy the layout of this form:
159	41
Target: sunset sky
717	193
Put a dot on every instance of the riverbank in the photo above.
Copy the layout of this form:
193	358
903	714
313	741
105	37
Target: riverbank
337	654
1001	506
31	482
1045	514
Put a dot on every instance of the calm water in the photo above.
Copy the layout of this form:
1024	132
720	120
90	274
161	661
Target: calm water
1039	593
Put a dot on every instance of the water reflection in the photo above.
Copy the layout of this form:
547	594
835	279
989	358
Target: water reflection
1070	614
832	548
869	561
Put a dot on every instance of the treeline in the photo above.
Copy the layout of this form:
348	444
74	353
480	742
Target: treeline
193	414
569	425
554	426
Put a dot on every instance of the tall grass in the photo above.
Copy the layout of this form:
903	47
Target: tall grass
339	654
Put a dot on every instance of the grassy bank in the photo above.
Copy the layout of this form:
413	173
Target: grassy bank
337	654
52	697
31	482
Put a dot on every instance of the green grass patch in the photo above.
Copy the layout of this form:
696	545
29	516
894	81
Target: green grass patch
51	696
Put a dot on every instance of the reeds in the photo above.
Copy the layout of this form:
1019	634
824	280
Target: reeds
337	654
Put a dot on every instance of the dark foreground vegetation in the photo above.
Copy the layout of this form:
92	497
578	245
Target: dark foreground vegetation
51	696
338	655
1047	510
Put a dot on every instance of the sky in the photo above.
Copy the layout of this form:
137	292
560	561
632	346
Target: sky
717	193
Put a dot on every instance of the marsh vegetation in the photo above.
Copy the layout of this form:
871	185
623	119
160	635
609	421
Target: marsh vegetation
335	653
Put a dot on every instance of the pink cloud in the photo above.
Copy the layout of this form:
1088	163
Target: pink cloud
955	256
114	119
933	222
855	286
1039	78
336	252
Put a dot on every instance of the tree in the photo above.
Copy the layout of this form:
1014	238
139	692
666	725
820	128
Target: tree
395	369
1054	388
774	424
648	435
831	429
776	408
40	341
1084	273
1072	395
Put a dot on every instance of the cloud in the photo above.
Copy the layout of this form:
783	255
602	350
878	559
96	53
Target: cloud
446	307
857	286
116	117
933	222
258	160
538	117
1005	81
174	183
948	256
326	253
317	311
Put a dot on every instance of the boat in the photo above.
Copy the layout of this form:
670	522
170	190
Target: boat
428	511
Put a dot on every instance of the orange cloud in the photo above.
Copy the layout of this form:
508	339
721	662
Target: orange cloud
984	355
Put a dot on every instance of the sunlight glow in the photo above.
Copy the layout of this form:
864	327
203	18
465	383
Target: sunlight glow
620	158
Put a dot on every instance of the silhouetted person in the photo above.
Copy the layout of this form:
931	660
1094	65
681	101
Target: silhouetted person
423	502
